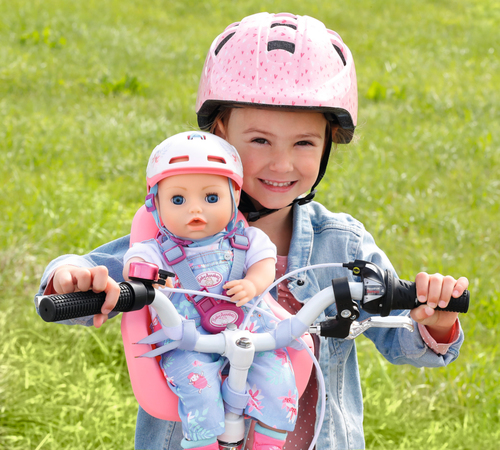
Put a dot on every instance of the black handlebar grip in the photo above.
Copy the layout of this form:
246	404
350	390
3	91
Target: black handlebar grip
404	296
133	296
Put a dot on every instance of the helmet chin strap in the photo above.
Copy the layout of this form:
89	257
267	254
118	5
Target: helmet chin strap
246	205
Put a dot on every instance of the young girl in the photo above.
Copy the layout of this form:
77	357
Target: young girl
194	182
282	88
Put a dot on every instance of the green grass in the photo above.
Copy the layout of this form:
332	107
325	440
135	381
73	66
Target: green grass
88	88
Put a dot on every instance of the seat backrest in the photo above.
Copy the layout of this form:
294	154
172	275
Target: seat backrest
148	382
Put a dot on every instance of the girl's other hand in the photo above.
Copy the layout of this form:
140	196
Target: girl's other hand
437	290
69	279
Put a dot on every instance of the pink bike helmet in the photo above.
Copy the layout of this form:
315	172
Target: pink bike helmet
279	60
194	152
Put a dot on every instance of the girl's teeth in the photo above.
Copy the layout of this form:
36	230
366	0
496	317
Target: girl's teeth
272	183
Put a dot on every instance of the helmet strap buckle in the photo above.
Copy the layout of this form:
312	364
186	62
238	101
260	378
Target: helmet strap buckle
307	199
150	203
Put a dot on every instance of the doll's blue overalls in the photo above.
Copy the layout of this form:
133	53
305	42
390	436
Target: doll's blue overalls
196	377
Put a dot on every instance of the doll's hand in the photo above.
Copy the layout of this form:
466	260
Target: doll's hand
437	290
69	279
168	283
241	291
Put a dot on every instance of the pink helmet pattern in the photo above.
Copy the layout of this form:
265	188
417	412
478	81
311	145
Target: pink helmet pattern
279	60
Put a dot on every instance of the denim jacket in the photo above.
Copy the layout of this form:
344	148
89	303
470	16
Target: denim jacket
319	236
322	236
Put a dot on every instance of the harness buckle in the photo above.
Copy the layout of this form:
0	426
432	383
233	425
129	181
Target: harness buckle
177	254
216	314
239	242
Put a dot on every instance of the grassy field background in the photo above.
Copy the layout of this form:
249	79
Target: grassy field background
88	88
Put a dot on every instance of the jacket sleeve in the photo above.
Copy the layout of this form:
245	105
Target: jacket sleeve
109	255
398	345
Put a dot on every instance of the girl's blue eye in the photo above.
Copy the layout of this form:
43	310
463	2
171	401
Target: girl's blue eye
212	198
178	199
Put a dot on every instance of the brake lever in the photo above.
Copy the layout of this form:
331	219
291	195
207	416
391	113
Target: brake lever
358	328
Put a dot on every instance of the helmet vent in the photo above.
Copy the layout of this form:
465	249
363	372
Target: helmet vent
340	54
294	27
222	43
216	159
179	159
281	45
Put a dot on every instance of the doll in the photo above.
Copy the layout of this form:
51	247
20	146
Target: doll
194	183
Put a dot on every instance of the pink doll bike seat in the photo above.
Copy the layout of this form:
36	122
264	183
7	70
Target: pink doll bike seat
148	382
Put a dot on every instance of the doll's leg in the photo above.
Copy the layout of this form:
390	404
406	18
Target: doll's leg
273	394
195	379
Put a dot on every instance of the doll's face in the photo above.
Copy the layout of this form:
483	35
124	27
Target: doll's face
195	206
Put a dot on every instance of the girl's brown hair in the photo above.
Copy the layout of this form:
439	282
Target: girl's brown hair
340	136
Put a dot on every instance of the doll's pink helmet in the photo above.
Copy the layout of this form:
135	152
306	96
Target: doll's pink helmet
279	60
194	152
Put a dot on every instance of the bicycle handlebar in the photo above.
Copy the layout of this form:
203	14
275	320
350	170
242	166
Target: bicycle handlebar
404	296
384	292
134	295
379	293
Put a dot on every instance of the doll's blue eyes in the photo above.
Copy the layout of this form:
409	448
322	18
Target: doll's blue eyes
178	199
212	198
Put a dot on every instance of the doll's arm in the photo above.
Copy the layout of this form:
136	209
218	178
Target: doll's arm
126	266
259	276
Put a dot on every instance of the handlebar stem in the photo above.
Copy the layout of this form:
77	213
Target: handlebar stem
240	352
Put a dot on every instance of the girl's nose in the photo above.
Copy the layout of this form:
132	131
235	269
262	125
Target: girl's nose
281	161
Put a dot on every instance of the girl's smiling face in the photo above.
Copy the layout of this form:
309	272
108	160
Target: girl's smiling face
280	150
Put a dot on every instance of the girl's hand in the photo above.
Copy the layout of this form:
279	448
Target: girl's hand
69	279
437	290
241	291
